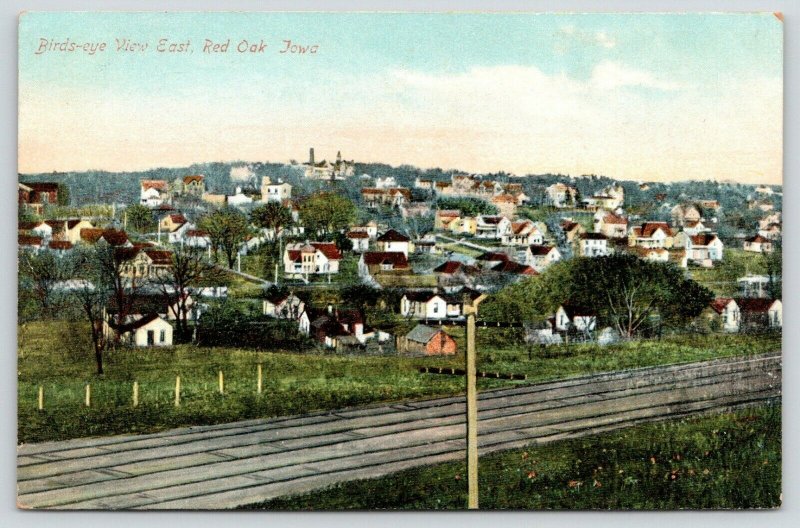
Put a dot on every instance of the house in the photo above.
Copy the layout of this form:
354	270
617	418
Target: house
523	233
576	318
314	258
31	243
143	262
60	247
765	190
415	209
711	205
40	229
444	217
427	341
425	245
370	228
760	313
73	228
153	193
610	198
610	224
193	184
216	199
514	268
453	267
35	195
771	232
432	304
359	239
465	225
420	183
506	204
393	240
651	235
275	192
692	228
332	326
723	314
178	236
683	213
150	301
492	226
572	230
197	238
141	330
283	306
560	195
652	254
492	259
758	244
171	222
593	245
774	218
373	263
385	182
705	248
754	286
238	199
540	256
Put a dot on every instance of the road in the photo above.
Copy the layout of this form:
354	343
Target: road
229	465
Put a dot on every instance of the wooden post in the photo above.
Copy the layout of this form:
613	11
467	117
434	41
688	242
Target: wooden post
260	386
221	383
135	393
471	312
41	397
177	391
88	395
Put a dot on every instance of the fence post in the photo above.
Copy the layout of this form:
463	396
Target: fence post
260	386
135	393
221	383
177	391
88	395
41	397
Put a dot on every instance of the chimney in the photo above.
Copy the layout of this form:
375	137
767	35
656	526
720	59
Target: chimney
339	156
311	156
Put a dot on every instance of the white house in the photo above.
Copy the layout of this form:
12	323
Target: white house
431	305
142	331
301	260
580	318
523	233
283	306
359	239
197	238
153	193
560	195
704	247
761	312
727	312
539	257
593	245
40	229
275	192
394	241
386	182
491	226
370	228
651	235
610	224
239	198
758	244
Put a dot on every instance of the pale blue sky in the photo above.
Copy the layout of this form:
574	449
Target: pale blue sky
397	77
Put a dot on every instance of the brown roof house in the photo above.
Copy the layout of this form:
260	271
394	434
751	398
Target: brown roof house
311	258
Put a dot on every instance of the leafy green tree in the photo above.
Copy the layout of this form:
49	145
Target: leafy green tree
139	217
467	206
228	229
360	296
63	195
327	212
272	216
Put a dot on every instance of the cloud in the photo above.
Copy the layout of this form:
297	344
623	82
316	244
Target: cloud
610	75
569	35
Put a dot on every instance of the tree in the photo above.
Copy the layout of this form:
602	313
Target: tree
228	229
360	296
773	262
42	271
627	291
182	281
271	216
326	212
63	194
139	217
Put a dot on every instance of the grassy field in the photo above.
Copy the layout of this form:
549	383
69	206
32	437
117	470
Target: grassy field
720	461
721	279
56	356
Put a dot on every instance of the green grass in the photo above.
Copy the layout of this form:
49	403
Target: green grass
736	263
464	250
57	356
721	461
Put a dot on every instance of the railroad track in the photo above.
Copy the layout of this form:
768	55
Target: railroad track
230	465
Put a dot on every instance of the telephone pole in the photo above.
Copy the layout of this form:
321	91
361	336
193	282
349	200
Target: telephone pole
471	312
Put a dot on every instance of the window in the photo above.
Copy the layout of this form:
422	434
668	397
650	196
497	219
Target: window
435	308
162	336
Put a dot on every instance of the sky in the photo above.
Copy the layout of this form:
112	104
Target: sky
639	97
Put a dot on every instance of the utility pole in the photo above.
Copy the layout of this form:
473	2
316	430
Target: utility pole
471	312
